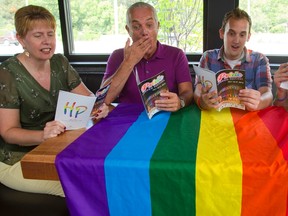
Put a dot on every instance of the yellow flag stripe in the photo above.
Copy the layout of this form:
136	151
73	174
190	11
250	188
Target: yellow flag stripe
218	166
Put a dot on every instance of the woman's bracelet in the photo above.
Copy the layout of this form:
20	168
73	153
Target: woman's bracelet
282	99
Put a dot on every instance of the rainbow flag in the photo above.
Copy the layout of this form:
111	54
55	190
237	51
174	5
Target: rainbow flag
190	162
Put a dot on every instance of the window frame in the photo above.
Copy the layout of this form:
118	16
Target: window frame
211	39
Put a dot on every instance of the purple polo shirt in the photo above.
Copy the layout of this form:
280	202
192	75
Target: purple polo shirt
170	59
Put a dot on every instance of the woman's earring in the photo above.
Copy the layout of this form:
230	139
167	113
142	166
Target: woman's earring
26	53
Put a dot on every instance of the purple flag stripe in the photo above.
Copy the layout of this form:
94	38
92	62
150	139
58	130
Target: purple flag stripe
92	147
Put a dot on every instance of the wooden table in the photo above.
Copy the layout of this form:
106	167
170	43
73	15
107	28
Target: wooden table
40	162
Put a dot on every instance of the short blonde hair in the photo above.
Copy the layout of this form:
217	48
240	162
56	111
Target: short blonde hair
26	17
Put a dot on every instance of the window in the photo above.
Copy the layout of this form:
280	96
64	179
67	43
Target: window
92	29
8	41
269	26
98	26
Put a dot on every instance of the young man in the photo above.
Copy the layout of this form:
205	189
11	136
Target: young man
281	75
235	32
149	57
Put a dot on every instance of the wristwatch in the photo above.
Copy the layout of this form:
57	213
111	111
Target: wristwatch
182	102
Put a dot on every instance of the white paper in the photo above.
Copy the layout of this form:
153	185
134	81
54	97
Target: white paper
74	110
206	77
284	85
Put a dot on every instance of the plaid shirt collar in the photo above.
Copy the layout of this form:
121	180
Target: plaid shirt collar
246	56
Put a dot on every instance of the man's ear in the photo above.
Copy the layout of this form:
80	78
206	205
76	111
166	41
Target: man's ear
157	26
221	33
248	38
128	30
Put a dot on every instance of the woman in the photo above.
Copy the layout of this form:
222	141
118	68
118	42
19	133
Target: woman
281	75
29	83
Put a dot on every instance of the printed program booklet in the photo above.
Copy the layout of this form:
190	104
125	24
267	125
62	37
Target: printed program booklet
150	91
100	96
226	82
74	110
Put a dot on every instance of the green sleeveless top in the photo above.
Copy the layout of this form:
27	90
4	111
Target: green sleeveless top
36	105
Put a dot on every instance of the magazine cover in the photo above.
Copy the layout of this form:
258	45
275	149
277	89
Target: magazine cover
74	110
100	96
226	82
150	91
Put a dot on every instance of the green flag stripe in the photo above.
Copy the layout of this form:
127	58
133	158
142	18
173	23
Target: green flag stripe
168	179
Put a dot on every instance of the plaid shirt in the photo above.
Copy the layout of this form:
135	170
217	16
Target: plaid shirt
255	64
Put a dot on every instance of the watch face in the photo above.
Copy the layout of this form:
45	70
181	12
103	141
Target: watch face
182	103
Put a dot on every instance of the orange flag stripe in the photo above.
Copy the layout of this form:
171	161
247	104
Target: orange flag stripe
265	178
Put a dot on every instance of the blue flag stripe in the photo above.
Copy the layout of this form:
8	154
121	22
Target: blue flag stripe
123	176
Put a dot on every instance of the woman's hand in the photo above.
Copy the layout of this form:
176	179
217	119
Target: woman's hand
53	129
101	112
281	74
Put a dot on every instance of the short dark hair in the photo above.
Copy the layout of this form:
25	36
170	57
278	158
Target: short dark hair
237	14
